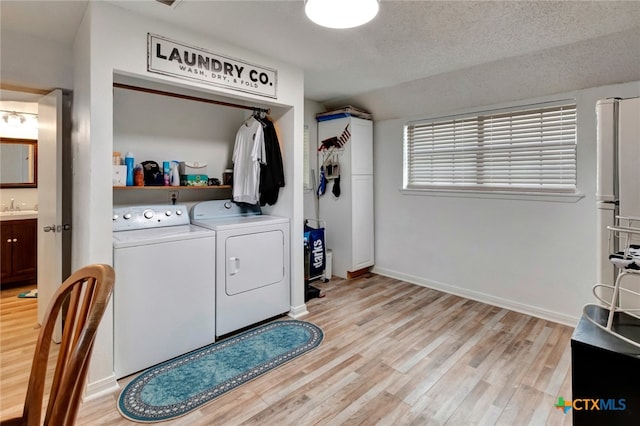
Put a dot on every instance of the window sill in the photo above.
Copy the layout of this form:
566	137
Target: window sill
500	195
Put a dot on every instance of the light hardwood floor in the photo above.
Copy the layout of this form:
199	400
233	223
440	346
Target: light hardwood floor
18	334
393	354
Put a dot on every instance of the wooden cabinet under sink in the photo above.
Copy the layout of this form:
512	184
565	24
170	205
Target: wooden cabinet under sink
19	251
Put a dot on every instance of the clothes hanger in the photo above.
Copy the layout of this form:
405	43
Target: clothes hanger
246	121
259	115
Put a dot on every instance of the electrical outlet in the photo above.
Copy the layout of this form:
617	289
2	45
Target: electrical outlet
173	196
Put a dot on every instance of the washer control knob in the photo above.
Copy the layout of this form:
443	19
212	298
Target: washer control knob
227	205
127	216
115	217
167	213
148	214
179	212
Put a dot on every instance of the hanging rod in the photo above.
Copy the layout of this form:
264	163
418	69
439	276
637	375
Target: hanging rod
190	98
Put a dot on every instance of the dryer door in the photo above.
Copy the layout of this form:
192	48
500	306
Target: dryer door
254	261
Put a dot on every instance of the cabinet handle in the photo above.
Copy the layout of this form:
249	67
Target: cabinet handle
15	240
51	228
9	240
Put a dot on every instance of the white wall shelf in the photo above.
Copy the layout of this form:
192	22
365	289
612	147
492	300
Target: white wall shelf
170	188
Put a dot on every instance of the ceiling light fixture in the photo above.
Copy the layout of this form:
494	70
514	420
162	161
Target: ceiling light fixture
17	119
12	118
341	13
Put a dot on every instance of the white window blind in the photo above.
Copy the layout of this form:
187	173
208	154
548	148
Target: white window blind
532	150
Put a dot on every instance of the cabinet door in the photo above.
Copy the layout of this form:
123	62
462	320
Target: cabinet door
356	155
24	248
362	223
7	237
361	147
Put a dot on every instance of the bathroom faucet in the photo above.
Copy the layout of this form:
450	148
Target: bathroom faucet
13	207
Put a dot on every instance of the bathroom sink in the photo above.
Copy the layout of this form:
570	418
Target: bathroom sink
19	214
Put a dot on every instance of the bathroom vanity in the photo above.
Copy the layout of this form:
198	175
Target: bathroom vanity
19	249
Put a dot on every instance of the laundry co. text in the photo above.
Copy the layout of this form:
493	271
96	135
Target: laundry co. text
179	60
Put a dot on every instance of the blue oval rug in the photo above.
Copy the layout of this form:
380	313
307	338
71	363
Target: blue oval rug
183	384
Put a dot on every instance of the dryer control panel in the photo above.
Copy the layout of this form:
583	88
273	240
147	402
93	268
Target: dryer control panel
219	209
126	218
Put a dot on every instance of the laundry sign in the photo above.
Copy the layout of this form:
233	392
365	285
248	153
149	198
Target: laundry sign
179	60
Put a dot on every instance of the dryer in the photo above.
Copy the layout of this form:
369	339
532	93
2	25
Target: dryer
252	263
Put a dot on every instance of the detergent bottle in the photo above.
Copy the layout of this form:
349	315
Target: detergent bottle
129	161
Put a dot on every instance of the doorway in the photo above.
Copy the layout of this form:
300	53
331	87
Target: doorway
51	197
18	124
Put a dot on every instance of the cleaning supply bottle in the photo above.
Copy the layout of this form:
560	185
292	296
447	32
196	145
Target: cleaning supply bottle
138	175
175	175
129	161
166	172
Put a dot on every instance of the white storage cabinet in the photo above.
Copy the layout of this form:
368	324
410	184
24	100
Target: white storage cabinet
349	217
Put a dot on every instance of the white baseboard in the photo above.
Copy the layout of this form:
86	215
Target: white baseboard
100	388
481	297
298	311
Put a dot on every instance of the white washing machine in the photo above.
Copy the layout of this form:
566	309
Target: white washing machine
164	296
252	263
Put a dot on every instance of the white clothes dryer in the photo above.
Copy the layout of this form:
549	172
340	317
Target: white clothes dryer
164	295
252	263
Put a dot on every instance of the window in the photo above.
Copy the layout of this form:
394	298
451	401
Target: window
523	150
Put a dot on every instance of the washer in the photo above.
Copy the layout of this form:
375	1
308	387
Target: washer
164	296
252	263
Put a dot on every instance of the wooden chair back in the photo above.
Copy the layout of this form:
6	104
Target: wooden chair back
81	299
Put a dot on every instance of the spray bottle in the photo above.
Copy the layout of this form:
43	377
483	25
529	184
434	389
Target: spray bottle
175	174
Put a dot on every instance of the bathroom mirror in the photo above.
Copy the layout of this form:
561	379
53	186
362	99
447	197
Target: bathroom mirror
19	165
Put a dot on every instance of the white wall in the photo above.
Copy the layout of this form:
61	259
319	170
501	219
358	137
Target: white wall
311	108
34	62
113	41
536	257
161	128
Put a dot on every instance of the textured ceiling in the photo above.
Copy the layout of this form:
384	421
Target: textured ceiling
407	43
